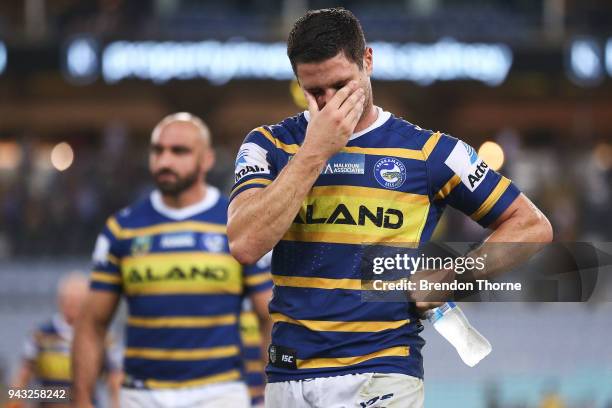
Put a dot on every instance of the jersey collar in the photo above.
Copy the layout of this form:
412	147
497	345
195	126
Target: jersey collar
63	329
382	117
209	201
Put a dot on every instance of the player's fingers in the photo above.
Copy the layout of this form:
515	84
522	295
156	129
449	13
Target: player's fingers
355	114
336	101
313	108
352	101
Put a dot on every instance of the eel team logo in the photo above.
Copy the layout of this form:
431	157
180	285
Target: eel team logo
213	242
141	245
464	162
390	173
251	160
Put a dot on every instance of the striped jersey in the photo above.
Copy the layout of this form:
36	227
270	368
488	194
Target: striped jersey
48	349
251	352
390	184
183	289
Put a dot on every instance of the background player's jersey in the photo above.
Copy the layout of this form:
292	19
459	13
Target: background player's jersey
390	184
48	349
183	289
251	352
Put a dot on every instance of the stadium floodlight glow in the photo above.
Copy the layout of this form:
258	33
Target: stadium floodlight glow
81	62
493	154
585	62
220	62
443	61
213	60
62	156
609	56
3	57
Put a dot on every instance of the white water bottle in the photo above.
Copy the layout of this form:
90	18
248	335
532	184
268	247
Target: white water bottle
452	324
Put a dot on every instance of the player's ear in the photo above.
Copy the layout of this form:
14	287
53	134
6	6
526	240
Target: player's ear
368	61
208	159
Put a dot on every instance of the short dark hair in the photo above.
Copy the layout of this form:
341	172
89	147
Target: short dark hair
322	34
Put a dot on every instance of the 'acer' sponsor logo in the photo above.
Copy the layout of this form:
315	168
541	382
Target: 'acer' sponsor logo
178	274
381	217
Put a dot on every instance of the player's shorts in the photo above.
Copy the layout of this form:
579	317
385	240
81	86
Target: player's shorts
223	395
347	391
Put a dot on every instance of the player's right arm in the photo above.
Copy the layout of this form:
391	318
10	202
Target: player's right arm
89	344
259	217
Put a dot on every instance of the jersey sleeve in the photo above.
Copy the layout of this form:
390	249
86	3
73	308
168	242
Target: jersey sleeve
255	164
258	277
106	273
458	177
30	347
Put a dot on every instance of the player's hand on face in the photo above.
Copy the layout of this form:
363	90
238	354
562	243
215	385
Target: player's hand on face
330	128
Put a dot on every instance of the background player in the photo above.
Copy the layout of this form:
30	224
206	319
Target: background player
168	255
317	186
252	354
46	359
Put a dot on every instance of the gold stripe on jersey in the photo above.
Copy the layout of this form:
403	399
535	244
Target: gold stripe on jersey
257	279
256	391
288	148
368	192
51	365
182	354
491	200
385	151
254	366
430	144
341	326
112	259
249	329
357	215
448	187
231	375
190	226
105	278
251	181
414	154
183	321
181	273
316	283
398	351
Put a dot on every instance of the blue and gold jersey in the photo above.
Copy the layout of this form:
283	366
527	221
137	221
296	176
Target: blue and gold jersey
251	352
183	289
390	184
48	350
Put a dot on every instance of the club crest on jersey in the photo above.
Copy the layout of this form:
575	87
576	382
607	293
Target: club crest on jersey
213	242
390	173
141	245
464	161
251	160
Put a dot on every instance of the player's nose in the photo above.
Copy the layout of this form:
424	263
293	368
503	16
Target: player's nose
325	97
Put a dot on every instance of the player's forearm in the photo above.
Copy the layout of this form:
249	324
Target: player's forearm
87	357
265	329
514	242
257	224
